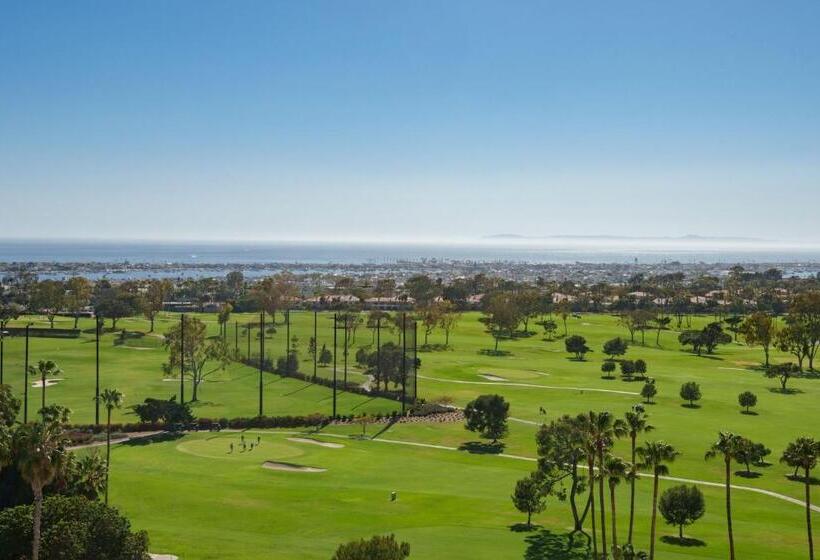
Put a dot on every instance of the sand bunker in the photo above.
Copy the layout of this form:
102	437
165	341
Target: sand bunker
316	442
49	382
290	467
491	377
163	557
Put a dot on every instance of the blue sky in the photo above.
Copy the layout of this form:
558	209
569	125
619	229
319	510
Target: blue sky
381	120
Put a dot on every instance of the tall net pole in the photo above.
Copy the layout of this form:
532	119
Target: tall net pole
403	361
261	358
315	341
378	352
345	323
97	371
25	381
335	337
182	359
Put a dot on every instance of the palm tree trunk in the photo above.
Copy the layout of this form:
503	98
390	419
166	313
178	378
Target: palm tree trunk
604	549
613	514
654	518
729	508
107	453
38	519
808	515
632	496
591	464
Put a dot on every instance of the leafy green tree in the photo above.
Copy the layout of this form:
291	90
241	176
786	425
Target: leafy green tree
749	453
734	324
9	406
760	329
640	367
198	352
783	373
648	391
325	356
681	506
500	316
85	476
528	498
615	347
577	344
628	369
726	447
654	456
803	453
9	311
376	548
110	399
448	319
636	423
747	400
487	415
706	339
607	368
48	298
77	296
550	327
690	391
153	299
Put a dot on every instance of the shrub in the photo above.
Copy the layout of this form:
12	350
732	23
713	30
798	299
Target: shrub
648	391
747	399
682	505
607	368
158	410
376	548
690	391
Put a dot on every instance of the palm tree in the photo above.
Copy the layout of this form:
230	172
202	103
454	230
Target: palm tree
636	424
111	399
41	456
803	453
88	476
601	430
5	446
615	469
654	455
726	446
44	369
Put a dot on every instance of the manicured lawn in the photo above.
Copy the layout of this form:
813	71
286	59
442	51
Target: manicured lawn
535	373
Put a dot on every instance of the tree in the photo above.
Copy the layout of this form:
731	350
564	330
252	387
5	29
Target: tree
654	456
563	310
615	347
77	296
111	399
783	373
487	415
561	449
636	320
640	367
706	339
614	470
422	289
628	369
48	298
803	453
760	329
549	327
448	320
636	423
325	356
661	323
198	352
649	390
40	449
681	506
804	318
9	406
85	476
166	411
726	447
235	282
9	311
527	498
528	303
690	391
154	299
114	303
734	323
376	548
577	344
500	316
747	399
607	368
749	453
223	316
430	317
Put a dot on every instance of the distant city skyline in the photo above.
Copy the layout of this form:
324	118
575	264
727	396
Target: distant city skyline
419	121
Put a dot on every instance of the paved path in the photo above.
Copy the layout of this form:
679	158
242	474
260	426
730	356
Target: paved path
769	493
533	385
129	437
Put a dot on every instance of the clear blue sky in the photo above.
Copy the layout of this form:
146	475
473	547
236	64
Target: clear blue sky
354	119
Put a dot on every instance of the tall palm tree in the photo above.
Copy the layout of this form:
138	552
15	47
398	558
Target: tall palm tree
654	456
41	456
601	430
615	469
803	453
636	424
44	369
726	446
111	399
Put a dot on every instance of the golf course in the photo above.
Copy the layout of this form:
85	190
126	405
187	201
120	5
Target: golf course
209	495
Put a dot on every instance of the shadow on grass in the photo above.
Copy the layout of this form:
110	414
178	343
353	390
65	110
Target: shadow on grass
690	405
707	357
682	541
749	412
496	353
158	438
523	528
781	391
802	479
546	545
748	474
482	448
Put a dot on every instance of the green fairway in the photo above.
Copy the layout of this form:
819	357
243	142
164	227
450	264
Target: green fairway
450	501
200	501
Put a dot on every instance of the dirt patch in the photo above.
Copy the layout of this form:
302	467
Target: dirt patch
290	467
316	442
491	377
49	383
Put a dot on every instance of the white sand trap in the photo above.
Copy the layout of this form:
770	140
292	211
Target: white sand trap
163	557
49	382
316	442
290	467
491	377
